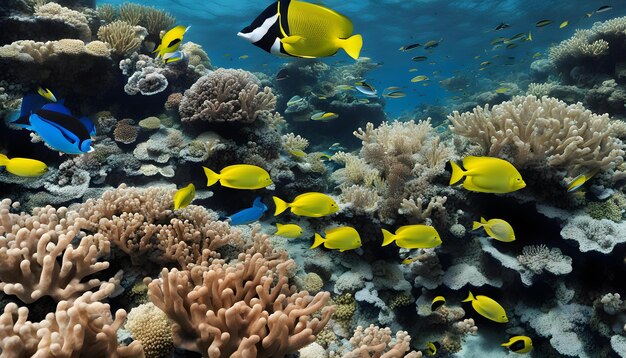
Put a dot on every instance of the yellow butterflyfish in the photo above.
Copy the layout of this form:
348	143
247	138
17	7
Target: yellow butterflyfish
292	231
340	238
496	228
23	167
487	175
184	196
413	237
308	204
487	308
240	176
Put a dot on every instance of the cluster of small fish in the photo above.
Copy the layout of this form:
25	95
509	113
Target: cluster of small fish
421	58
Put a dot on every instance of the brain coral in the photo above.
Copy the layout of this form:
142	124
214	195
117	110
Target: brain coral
226	95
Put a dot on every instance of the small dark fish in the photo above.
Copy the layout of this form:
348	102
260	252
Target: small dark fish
543	23
431	44
498	40
510	46
518	36
502	26
419	58
604	8
282	75
409	47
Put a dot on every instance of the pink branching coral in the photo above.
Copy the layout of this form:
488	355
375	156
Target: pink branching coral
246	309
81	328
226	95
376	342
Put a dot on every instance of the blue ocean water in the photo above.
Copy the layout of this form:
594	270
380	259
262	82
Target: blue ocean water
465	28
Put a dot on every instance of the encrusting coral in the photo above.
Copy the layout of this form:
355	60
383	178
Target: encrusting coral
241	309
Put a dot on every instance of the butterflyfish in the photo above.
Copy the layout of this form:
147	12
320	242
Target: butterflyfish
340	238
308	204
581	179
171	41
413	237
300	29
292	231
47	94
23	167
496	228
487	175
184	196
487	308
239	176
519	344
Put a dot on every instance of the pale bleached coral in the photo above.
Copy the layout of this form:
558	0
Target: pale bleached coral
540	89
540	258
533	133
582	44
594	235
245	308
226	95
84	327
54	11
107	13
150	326
376	342
121	36
292	141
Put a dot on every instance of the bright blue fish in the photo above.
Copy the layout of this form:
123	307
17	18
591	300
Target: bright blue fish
56	125
249	215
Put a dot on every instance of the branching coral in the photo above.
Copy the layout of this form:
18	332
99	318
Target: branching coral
399	162
107	13
539	258
82	328
243	309
155	20
375	342
226	95
122	37
533	133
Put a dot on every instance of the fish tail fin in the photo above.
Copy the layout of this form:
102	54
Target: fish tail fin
457	173
388	237
317	241
506	344
211	176
476	225
281	205
469	298
352	45
3	160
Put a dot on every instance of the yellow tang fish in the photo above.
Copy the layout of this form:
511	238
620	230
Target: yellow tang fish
577	182
496	228
519	344
563	24
292	231
487	175
437	302
239	176
340	238
487	308
419	78
297	153
184	196
300	29
311	204
171	40
47	94
23	167
413	237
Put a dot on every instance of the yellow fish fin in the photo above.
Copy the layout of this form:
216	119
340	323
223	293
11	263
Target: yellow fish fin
469	298
507	344
476	225
281	205
317	241
278	226
457	173
482	220
352	45
4	160
212	177
388	237
291	39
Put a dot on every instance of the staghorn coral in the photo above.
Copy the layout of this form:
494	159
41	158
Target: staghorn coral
226	95
540	89
241	309
82	328
534	133
121	36
292	141
54	11
131	13
37	258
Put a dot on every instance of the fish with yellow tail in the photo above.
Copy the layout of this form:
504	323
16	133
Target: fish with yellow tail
437	302
47	94
340	238
23	167
487	175
184	196
580	180
291	231
519	344
171	41
301	29
413	237
239	176
311	204
496	228
487	308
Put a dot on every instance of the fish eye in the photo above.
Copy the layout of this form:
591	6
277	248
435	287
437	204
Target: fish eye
518	179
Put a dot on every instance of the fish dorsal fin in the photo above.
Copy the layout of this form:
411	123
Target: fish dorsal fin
471	161
258	203
403	228
32	103
58	107
278	226
336	229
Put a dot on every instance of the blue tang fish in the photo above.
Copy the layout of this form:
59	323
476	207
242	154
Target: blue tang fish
56	125
249	215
